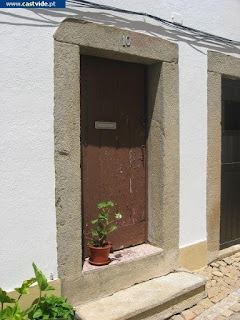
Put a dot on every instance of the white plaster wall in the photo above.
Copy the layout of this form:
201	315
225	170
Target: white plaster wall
28	227
28	231
193	144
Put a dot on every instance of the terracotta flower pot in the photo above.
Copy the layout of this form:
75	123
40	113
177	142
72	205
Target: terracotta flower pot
99	256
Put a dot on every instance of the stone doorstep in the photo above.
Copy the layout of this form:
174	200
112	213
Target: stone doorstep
158	298
228	251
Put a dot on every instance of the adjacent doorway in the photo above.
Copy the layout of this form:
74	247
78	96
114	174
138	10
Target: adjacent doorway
230	166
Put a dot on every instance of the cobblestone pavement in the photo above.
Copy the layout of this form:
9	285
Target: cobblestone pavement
223	292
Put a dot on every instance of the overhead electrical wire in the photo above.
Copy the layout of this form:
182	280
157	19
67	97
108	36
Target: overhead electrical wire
92	5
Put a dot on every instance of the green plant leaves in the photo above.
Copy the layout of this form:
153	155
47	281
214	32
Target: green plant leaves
103	205
24	289
46	308
52	307
112	228
4	298
37	314
28	310
103	216
12	313
41	279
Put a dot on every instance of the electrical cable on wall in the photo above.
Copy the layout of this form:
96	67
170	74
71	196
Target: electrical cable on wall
92	5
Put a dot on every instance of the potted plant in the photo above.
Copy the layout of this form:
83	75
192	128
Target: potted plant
104	224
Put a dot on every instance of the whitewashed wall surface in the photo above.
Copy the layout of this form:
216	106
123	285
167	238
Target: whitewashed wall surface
27	201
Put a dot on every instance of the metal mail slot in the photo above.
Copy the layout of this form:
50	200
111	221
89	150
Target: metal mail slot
105	125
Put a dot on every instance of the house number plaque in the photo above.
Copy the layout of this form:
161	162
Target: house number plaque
105	125
126	41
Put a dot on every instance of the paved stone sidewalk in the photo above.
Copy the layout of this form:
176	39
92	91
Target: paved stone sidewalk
223	293
235	316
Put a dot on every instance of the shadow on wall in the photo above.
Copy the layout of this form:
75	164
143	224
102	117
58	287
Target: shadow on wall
53	17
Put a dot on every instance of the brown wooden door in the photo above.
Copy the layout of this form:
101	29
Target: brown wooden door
230	173
114	160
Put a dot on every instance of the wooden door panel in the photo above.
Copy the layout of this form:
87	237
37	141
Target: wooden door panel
230	207
113	163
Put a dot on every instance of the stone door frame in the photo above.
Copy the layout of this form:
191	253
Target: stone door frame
219	65
73	38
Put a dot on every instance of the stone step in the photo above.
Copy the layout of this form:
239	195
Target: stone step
155	299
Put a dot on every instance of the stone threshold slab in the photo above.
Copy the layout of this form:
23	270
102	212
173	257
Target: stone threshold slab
125	255
228	251
158	298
